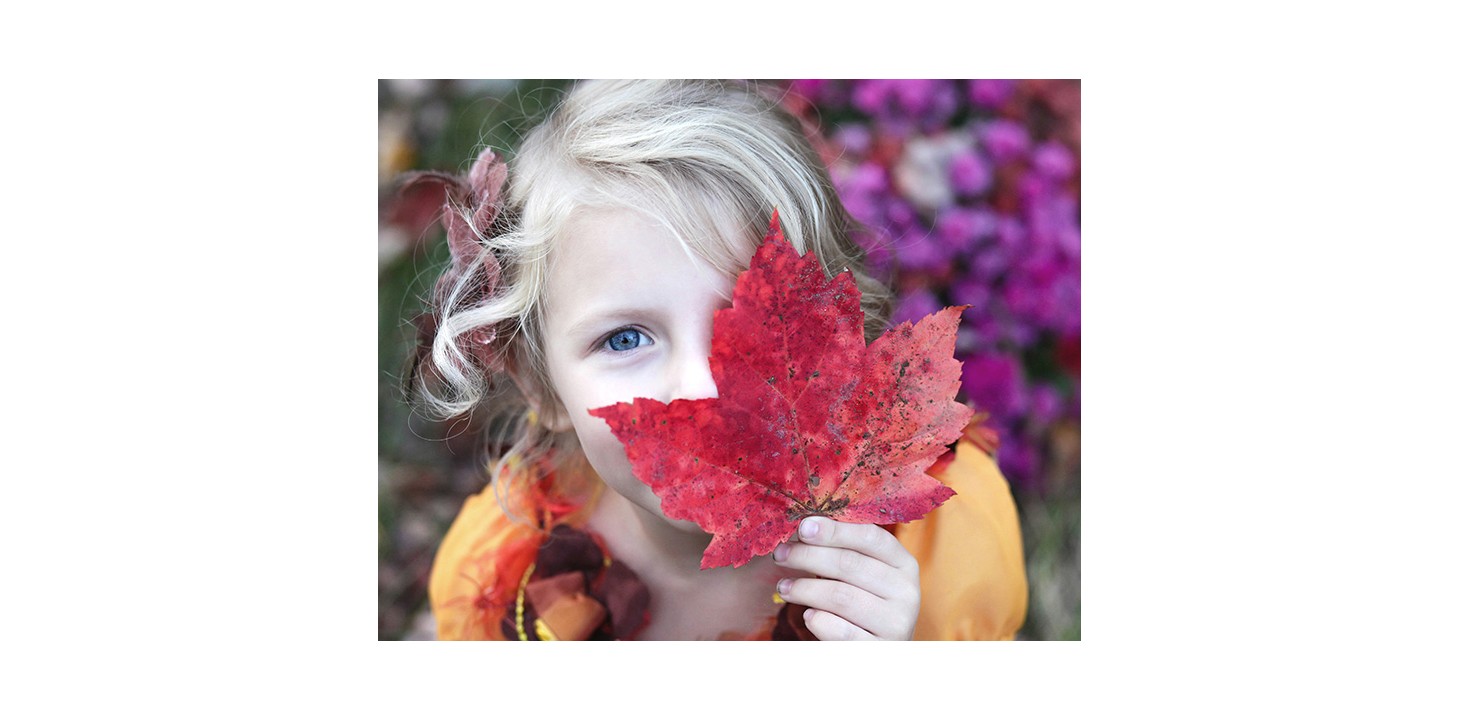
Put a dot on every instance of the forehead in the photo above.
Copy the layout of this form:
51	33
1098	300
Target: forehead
611	254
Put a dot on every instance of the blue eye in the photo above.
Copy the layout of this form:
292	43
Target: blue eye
625	339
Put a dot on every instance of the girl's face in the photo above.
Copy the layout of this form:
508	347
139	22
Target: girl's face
627	314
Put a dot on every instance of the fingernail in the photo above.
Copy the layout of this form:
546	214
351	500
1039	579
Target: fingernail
783	587
781	552
809	528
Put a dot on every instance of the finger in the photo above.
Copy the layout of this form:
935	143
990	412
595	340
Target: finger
869	540
849	566
849	603
827	626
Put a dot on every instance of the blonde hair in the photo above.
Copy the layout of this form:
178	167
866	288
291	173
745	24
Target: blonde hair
710	160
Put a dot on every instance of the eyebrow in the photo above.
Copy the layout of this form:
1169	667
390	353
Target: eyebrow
608	316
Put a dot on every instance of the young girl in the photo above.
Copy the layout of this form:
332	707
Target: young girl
589	275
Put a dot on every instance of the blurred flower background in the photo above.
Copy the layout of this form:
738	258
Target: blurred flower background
971	193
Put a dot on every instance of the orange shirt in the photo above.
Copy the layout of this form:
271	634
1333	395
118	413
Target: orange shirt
969	551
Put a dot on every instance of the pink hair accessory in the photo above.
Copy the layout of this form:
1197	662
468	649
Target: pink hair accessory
477	197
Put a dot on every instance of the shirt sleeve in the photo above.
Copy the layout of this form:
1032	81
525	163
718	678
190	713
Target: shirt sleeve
970	555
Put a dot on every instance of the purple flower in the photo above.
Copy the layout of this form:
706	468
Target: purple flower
1005	140
856	138
970	173
868	177
813	90
985	329
1034	188
1017	459
989	263
810	88
1044	403
917	305
966	340
1065	297
863	191
1053	161
1065	211
920	250
879	251
1022	335
1021	298
900	106
961	227
990	93
900	213
1010	233
967	291
1044	223
994	382
870	96
1069	241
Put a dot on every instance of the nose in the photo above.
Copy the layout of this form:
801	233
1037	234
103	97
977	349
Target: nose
691	378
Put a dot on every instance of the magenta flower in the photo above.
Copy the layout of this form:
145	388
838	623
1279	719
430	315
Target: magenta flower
1010	233
991	94
921	250
1018	459
855	138
1005	140
960	228
901	106
1053	161
994	382
970	174
1045	403
989	263
967	291
810	89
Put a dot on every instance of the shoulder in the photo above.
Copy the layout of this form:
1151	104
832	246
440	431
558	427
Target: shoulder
970	549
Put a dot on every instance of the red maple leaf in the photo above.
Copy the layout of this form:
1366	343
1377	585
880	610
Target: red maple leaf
810	420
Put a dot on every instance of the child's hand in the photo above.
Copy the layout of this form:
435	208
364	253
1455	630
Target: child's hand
866	587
